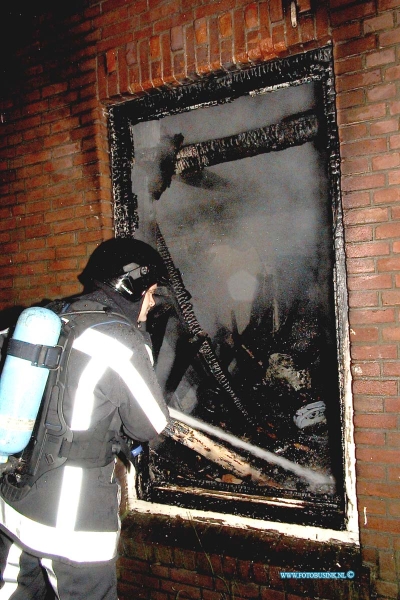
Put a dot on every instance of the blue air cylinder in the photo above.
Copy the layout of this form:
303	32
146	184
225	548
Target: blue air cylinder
22	383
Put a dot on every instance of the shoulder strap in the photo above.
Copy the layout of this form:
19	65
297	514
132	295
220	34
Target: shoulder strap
38	354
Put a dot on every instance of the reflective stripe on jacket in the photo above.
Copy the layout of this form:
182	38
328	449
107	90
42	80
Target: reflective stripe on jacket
72	512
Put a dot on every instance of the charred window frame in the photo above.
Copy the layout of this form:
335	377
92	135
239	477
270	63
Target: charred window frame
336	512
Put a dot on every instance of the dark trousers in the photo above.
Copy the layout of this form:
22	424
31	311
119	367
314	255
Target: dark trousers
27	577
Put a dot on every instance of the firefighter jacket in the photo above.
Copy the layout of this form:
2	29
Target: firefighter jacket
71	512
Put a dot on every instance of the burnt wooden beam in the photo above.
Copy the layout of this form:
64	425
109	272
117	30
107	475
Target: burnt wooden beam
293	131
198	336
316	480
229	460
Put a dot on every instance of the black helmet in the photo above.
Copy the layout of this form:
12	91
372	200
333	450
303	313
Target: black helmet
128	266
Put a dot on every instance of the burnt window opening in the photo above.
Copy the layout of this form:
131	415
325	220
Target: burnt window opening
235	179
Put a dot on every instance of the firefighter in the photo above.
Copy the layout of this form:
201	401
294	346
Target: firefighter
59	519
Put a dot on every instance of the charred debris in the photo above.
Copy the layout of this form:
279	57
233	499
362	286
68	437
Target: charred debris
270	386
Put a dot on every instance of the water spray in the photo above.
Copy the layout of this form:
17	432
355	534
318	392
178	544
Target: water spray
313	478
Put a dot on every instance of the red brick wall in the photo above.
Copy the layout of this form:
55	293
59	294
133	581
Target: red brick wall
56	200
54	165
367	37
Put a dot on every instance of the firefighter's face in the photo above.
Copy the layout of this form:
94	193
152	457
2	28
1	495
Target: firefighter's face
147	303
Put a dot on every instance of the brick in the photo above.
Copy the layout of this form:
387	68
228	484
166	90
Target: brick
179	66
163	10
372	506
363	182
386	589
394	141
364	113
292	36
190	52
394	177
391	369
364	334
370	438
155	595
389	230
389	161
374	539
356	200
348	99
391	333
260	573
346	31
144	63
201	31
389	38
177	38
375	352
353	12
393	476
370	282
393	510
366	369
384	126
144	33
240	55
186	559
362	79
393	438
243	590
376	388
355	166
388	264
131	53
382	57
386	196
368	404
155	47
211	9
381	92
215	59
358	46
111	61
190	578
251	16
368	249
167	71
275	11
387	565
391	297
379	454
183	589
61	240
307	29
345	66
369	555
225	25
210	595
392	73
379	23
156	73
387	4
360	265
202	60
268	594
371	215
